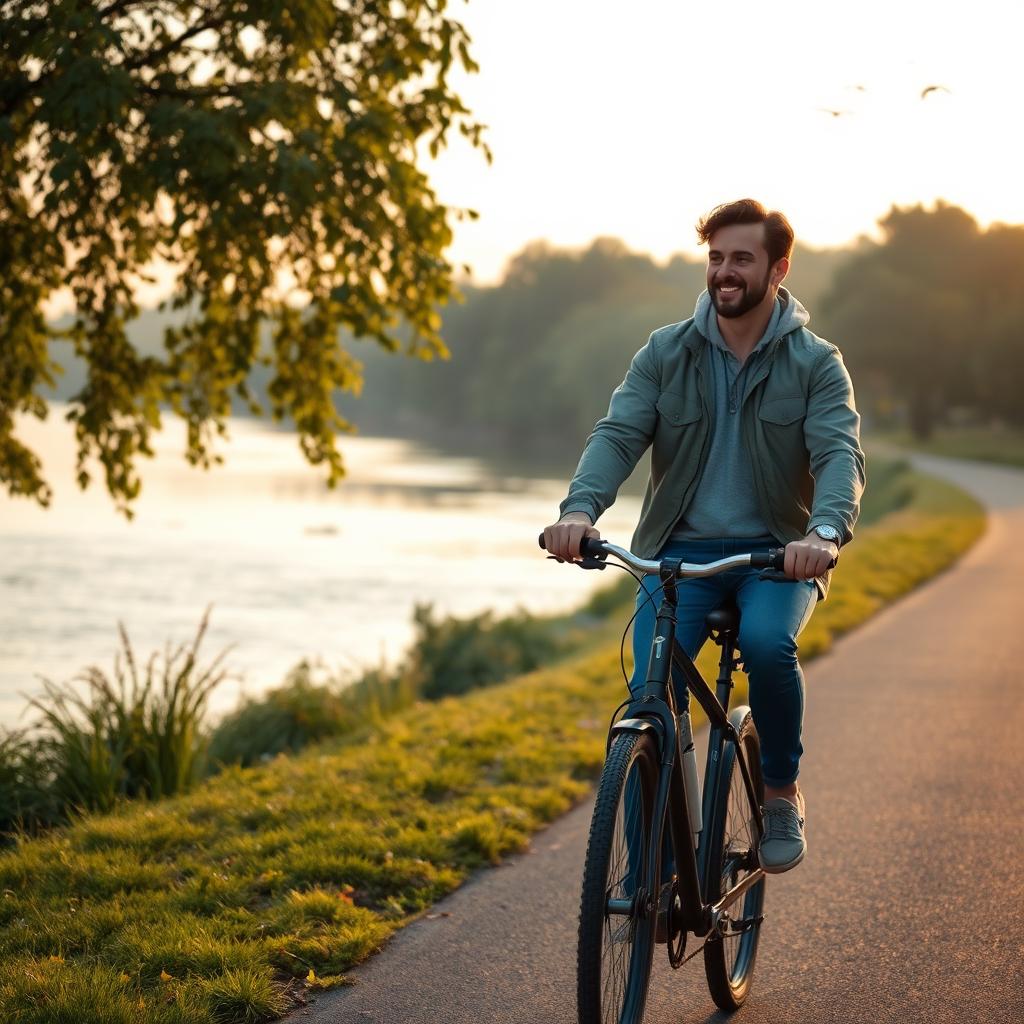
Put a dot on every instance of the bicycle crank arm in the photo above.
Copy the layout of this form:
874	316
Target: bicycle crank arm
717	910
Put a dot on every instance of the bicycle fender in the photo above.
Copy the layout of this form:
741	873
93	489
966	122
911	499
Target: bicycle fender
737	715
641	725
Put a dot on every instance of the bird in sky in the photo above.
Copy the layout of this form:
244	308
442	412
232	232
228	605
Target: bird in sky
932	88
834	113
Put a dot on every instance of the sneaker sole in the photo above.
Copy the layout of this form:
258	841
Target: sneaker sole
778	869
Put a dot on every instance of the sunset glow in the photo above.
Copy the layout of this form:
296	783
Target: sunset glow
632	122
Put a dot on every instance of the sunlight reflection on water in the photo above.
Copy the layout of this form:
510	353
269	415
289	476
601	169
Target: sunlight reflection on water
292	569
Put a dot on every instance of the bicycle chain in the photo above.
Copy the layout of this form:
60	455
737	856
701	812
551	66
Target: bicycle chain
753	923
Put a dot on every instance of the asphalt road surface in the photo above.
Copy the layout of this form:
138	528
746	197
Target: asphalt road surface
910	904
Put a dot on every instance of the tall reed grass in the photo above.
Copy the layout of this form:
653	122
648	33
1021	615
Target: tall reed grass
101	739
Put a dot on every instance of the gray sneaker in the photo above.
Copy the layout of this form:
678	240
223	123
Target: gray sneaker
783	845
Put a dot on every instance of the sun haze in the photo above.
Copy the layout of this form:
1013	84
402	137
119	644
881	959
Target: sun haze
633	121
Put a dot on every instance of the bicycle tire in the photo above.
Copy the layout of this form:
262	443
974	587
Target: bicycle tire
734	836
614	950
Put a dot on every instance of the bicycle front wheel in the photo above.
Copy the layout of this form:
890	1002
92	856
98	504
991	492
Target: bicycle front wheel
734	836
618	908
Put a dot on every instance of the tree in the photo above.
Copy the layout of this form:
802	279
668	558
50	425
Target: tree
266	150
905	309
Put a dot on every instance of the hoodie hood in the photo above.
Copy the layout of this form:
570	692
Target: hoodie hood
793	314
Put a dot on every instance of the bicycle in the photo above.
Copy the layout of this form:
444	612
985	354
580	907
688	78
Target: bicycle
718	890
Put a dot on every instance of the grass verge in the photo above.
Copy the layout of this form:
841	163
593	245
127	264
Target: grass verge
227	905
1004	446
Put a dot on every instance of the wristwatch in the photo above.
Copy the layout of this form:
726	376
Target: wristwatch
826	532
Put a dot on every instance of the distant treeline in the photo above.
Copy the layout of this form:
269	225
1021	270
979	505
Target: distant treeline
928	319
535	358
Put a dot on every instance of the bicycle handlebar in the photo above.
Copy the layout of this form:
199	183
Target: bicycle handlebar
596	550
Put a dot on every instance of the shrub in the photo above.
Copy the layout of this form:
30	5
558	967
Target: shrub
303	710
297	713
453	656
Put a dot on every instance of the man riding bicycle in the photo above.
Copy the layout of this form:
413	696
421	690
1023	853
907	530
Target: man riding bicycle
755	443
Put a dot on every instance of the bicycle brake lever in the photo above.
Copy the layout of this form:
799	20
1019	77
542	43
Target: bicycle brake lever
776	576
583	563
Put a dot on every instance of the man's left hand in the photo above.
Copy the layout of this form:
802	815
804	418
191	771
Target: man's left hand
809	557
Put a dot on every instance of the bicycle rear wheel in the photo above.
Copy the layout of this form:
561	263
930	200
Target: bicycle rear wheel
618	908
734	836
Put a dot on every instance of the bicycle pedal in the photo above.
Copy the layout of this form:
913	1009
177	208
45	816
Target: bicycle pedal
738	927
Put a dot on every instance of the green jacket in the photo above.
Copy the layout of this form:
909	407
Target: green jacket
799	424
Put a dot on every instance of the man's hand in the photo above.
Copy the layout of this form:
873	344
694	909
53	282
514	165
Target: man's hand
562	539
809	557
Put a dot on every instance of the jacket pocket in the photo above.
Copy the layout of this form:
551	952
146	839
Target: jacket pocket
676	410
783	411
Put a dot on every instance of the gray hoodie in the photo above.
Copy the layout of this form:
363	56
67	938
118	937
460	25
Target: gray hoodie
725	503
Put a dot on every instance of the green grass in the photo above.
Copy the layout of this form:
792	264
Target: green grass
224	905
1005	445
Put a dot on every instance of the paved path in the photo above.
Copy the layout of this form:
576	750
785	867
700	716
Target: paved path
910	904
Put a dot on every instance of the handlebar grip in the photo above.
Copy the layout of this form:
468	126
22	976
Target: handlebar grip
774	558
589	547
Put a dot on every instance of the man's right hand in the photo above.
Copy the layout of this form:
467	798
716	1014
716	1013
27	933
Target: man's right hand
562	539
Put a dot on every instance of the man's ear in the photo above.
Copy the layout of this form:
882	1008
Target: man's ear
779	271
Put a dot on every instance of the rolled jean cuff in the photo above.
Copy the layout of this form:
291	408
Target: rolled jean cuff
779	783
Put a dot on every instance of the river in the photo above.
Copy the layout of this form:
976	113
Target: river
292	570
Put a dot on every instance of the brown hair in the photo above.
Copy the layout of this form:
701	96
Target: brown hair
778	233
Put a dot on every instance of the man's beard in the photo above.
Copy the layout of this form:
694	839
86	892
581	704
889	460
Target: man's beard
748	298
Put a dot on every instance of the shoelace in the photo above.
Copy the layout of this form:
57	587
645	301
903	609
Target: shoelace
782	822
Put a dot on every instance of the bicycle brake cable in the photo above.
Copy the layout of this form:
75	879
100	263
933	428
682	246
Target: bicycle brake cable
648	600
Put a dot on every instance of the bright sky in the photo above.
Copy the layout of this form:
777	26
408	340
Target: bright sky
632	120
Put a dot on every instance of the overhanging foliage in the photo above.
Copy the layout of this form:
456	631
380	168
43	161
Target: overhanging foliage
269	152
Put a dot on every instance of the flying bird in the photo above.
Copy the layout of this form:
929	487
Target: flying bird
932	88
834	113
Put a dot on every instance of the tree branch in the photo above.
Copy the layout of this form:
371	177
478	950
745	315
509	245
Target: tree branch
153	56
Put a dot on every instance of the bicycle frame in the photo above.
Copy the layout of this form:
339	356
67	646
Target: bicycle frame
654	710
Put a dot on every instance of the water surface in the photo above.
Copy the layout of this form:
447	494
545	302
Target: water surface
292	569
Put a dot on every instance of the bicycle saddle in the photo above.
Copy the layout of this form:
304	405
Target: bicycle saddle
725	619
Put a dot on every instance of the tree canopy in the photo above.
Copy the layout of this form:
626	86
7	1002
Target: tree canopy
931	318
269	152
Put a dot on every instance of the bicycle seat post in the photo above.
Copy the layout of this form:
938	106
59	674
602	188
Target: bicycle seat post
724	624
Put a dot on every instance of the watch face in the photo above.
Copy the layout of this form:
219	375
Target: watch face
827	533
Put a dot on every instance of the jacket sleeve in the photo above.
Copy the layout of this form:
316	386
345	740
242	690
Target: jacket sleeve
619	439
832	436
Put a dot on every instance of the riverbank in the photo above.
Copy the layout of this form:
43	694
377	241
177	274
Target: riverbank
230	903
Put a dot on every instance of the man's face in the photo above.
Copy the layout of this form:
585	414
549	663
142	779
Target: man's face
739	271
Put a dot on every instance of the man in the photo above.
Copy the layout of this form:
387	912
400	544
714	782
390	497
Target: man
755	444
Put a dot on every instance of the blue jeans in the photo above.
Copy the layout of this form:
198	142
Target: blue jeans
772	615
